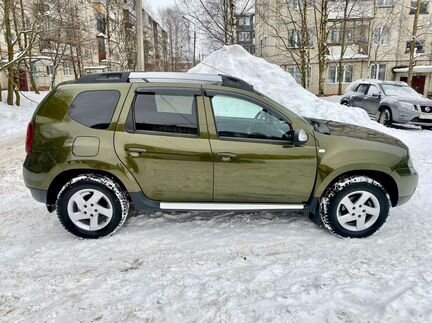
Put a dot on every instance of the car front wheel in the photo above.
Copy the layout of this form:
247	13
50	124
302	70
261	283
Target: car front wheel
385	117
355	207
92	206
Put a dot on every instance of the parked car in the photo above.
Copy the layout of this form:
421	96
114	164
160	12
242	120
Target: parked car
107	144
390	102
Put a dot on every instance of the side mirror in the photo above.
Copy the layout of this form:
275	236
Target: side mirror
300	137
376	95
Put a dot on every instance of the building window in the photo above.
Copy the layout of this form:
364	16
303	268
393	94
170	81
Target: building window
49	69
419	46
244	21
263	45
67	70
333	74
244	36
424	7
297	75
335	36
385	3
295	39
378	71
100	24
381	36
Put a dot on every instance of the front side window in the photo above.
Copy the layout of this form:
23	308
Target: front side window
373	90
238	118
94	109
165	113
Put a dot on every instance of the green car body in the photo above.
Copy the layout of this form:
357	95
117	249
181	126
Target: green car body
154	168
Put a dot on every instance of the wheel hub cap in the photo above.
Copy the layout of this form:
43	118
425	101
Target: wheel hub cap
90	209
358	211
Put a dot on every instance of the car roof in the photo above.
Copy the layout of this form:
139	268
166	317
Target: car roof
166	77
374	81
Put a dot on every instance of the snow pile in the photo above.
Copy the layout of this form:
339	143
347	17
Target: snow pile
14	120
279	85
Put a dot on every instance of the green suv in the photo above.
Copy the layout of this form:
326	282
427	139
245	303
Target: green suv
108	144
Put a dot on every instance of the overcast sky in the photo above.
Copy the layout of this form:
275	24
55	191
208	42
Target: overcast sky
156	4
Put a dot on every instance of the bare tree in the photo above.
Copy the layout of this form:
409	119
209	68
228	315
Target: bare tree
216	18
178	36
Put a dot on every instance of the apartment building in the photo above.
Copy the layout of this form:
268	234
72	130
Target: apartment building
246	31
376	42
88	36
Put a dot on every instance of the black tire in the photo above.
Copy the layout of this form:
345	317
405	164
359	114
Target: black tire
333	197
112	194
385	117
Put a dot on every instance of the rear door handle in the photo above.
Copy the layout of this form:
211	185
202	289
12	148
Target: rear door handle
226	157
135	151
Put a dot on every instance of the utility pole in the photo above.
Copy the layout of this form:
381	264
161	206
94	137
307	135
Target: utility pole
194	39
140	36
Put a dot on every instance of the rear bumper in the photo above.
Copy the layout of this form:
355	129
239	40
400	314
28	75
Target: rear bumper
39	195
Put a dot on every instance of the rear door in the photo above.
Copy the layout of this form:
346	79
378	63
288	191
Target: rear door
162	139
253	159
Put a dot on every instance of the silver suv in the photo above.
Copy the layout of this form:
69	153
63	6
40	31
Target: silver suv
390	102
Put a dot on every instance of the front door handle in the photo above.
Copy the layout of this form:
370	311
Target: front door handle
135	151
226	157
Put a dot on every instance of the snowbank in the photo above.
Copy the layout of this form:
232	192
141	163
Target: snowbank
14	120
279	85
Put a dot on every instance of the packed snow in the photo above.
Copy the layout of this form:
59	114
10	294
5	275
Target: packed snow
214	266
279	85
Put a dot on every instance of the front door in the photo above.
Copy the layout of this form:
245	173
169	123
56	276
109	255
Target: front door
372	100
162	140
253	159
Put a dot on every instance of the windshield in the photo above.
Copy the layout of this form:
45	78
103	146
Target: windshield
400	90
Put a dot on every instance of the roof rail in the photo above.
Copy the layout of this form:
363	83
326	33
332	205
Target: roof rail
166	77
115	77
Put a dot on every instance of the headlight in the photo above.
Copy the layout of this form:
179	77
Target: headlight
408	106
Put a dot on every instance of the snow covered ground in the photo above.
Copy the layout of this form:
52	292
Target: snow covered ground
212	267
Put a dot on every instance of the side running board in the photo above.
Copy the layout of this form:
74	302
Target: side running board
228	206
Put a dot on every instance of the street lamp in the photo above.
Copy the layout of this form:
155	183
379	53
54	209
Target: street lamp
194	39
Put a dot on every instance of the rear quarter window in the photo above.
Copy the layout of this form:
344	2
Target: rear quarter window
94	109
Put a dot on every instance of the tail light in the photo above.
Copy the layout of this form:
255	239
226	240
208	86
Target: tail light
30	137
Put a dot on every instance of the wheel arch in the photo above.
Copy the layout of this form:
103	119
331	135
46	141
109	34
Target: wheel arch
384	179
62	178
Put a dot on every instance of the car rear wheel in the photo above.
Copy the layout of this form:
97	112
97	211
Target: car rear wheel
355	207
385	117
92	206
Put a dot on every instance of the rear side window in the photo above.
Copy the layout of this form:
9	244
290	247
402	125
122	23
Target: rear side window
165	113
94	109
